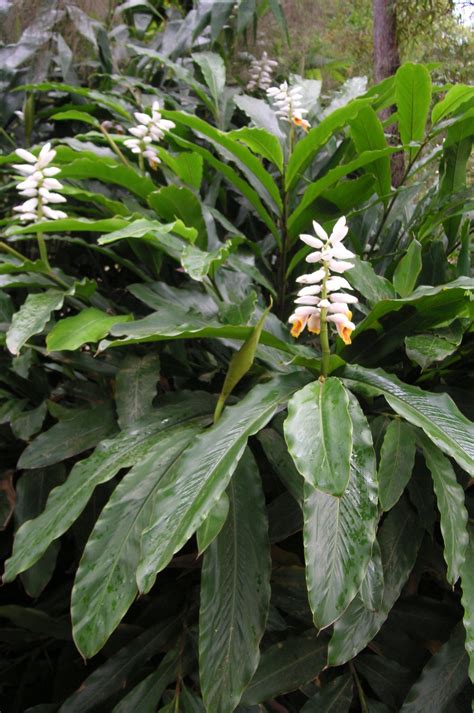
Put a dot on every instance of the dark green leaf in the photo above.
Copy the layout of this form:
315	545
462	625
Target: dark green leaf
408	269
213	523
396	462
368	135
467	583
235	593
339	532
335	697
135	387
318	432
371	591
201	475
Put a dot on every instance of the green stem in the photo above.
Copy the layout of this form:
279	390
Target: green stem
285	238
360	690
324	333
11	251
141	163
113	145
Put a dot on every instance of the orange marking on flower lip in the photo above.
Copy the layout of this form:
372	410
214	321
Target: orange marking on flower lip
297	121
297	328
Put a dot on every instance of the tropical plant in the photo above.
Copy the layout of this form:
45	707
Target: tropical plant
240	521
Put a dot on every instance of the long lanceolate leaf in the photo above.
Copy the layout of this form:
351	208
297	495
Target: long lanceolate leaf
467	582
399	537
66	502
453	513
105	584
339	532
436	414
318	432
201	475
235	593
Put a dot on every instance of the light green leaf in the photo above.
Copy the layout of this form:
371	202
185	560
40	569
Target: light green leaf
436	414
201	475
240	363
135	388
105	584
318	432
442	678
261	142
365	280
397	458
339	532
408	269
198	263
213	524
306	149
106	170
75	115
261	114
285	667
179	203
235	593
455	97
32	317
213	70
66	502
413	98
450	500
399	537
368	135
467	600
90	325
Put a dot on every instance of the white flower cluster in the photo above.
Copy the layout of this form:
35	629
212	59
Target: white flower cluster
150	128
321	297
260	73
288	101
38	185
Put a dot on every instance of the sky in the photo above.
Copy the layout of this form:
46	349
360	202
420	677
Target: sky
466	11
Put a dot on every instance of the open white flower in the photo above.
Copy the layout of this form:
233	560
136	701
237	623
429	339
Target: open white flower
261	71
151	127
289	105
322	299
38	186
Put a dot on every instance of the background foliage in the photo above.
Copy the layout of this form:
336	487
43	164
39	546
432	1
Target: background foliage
162	555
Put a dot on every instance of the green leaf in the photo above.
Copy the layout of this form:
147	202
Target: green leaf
66	502
453	179
82	430
455	97
368	135
442	678
261	142
135	388
282	463
235	593
245	160
261	114
144	697
179	203
32	317
371	591
97	97
334	697
104	169
425	349
31	494
201	475
240	363
450	500
159	234
413	99
75	115
339	532
285	667
114	674
90	325
436	414
198	263
467	600
28	423
213	70
397	458
306	149
400	537
213	523
318	432
105	584
408	269
315	189
370	285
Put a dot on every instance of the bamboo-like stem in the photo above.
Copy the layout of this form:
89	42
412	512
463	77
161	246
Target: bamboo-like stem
324	333
114	146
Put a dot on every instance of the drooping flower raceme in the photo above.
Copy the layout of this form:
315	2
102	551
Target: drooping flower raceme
151	127
289	104
261	71
321	297
39	186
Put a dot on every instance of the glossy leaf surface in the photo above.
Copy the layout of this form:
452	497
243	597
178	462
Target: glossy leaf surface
397	458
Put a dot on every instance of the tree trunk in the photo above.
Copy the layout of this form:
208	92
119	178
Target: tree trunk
386	63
